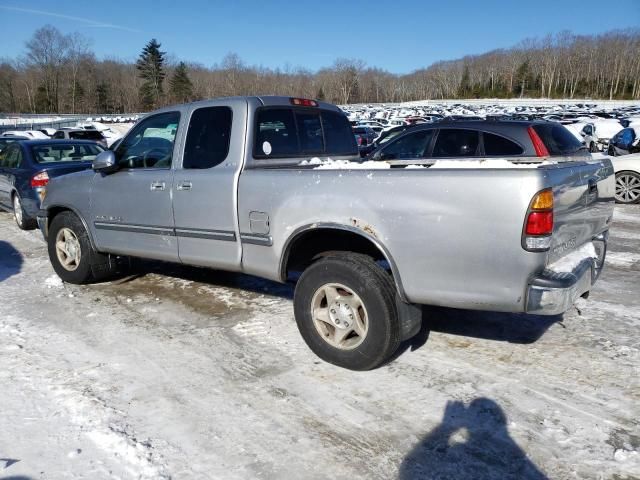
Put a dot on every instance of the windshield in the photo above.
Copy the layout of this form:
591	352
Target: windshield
67	152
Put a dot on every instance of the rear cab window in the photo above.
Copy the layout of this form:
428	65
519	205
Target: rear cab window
557	139
288	132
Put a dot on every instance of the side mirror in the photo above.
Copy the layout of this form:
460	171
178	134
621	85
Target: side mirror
105	162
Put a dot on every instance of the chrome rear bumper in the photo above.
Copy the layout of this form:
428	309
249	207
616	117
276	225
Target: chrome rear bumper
553	293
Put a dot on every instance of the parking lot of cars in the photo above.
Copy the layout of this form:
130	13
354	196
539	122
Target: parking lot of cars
610	130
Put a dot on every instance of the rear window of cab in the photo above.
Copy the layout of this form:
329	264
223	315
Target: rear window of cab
286	132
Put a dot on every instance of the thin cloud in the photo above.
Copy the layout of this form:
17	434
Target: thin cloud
86	21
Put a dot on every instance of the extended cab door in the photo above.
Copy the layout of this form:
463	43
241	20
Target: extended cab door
131	211
205	188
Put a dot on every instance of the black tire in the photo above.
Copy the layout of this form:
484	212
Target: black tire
611	151
92	266
20	216
627	188
593	148
375	289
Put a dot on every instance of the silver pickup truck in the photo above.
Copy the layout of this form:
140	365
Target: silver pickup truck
273	187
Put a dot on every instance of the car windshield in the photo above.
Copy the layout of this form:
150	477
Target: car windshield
67	152
360	131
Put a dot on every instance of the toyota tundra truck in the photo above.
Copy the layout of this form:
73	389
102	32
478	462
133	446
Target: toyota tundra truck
274	187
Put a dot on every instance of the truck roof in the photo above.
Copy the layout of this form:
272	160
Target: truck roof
259	100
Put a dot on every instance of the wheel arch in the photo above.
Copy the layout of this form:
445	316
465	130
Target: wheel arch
55	210
321	238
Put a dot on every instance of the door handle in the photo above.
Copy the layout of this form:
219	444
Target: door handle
184	185
157	186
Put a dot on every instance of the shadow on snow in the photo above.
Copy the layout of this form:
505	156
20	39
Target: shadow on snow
10	261
471	442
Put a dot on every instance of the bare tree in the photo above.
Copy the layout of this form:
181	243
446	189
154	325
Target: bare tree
48	50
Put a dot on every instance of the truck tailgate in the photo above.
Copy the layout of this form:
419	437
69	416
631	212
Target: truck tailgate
583	203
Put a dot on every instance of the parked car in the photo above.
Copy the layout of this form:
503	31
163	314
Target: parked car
49	132
81	134
9	139
627	171
32	134
595	134
26	167
377	129
482	139
624	142
389	134
364	138
273	187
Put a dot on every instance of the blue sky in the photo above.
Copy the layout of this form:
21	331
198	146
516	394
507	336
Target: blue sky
396	35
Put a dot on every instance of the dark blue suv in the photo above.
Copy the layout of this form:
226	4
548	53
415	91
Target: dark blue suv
27	166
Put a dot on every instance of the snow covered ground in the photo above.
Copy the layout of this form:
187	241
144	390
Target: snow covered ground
187	373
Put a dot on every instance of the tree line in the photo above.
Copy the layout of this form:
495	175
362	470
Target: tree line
60	74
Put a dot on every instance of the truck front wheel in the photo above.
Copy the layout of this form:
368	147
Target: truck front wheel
346	312
72	256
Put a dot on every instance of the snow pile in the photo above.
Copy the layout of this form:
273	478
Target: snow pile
330	164
53	282
347	165
21	120
570	262
314	161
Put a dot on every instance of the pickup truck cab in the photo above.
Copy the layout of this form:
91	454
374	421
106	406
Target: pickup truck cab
272	186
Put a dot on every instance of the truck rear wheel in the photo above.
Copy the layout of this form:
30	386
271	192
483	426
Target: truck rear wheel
72	256
346	312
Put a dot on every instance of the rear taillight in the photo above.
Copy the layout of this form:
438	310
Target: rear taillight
538	227
40	180
359	140
538	144
539	223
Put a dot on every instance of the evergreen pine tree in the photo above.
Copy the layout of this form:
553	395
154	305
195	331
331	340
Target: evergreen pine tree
150	67
465	84
180	85
522	76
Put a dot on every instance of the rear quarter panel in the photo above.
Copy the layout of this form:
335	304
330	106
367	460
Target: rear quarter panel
454	235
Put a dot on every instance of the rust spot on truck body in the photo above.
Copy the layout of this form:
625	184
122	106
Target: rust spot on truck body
365	227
